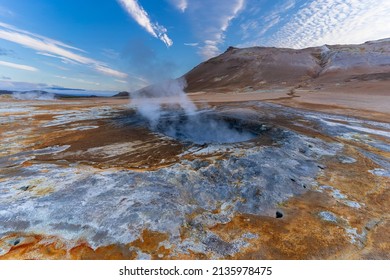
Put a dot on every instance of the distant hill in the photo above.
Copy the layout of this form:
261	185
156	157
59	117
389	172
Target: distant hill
62	88
268	67
122	94
5	91
42	94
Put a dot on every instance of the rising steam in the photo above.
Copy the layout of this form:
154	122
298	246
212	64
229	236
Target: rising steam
33	95
154	101
169	111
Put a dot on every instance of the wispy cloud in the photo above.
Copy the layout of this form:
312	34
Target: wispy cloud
49	47
255	24
78	80
18	66
120	81
335	22
210	22
6	12
142	18
34	35
210	47
63	59
191	44
108	71
180	4
56	66
110	53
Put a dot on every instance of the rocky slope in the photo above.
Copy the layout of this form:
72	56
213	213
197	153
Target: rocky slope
268	68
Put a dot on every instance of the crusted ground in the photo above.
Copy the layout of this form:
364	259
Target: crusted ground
87	179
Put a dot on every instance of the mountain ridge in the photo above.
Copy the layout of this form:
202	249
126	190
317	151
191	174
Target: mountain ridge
271	67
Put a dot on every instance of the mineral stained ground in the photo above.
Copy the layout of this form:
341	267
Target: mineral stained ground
86	179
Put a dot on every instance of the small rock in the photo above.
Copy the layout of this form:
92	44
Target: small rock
344	159
371	224
352	204
25	188
279	215
338	195
302	150
143	256
328	216
380	172
250	235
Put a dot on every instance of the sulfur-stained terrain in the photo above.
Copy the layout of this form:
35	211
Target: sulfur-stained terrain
89	179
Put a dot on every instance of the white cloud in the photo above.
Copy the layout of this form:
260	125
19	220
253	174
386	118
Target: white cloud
78	80
255	24
335	22
120	81
271	23
49	47
34	35
164	37
210	22
180	4
63	59
210	49
142	18
191	44
18	66
283	8
111	72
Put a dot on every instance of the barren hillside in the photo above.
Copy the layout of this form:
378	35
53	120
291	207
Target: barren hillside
269	68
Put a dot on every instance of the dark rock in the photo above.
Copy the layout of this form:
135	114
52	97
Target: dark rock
122	94
25	188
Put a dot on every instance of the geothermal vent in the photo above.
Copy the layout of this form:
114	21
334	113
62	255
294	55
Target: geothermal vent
202	127
169	111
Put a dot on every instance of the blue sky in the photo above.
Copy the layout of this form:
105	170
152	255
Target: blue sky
127	44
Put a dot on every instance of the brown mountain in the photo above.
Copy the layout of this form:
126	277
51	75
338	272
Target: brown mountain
268	67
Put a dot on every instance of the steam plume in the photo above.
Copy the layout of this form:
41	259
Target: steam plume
168	110
152	101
